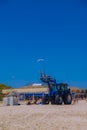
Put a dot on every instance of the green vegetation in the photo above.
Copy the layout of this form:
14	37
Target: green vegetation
3	86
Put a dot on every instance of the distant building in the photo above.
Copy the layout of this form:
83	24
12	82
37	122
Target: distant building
27	89
35	90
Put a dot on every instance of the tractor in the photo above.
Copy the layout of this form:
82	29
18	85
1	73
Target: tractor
58	93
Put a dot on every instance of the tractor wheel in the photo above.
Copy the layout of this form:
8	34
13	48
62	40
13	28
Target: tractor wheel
68	99
58	100
53	102
45	100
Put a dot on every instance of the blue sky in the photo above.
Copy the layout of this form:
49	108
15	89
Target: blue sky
55	31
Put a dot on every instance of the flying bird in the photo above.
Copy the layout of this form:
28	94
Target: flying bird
39	60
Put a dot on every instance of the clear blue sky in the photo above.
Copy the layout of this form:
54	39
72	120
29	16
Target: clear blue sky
53	30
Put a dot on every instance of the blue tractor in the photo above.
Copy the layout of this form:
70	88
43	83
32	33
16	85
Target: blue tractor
58	93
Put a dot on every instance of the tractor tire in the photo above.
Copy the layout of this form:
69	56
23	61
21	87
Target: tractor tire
68	99
58	100
53	102
45	100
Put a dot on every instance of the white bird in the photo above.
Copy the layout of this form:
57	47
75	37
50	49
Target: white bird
38	60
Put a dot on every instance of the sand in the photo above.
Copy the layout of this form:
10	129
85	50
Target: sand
44	117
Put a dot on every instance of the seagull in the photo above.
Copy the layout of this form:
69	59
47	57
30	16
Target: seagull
39	60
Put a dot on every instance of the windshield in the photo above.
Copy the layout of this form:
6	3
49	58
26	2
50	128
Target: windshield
62	87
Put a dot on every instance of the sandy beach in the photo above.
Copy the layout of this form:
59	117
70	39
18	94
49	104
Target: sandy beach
44	117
